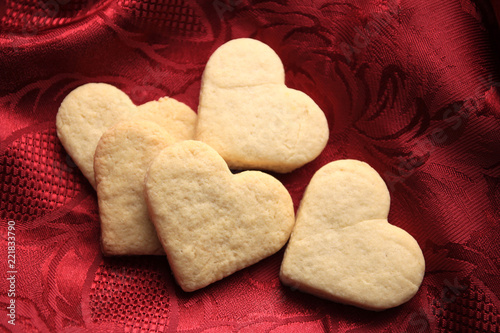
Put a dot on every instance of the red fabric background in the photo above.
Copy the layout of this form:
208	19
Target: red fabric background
411	87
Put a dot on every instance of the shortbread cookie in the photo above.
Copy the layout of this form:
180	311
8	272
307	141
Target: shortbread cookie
84	115
122	157
342	247
212	223
89	110
174	116
248	115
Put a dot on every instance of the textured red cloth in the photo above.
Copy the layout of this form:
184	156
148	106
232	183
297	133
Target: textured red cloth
409	86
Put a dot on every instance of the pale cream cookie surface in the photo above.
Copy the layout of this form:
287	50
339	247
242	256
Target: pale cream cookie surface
89	110
84	115
248	115
174	116
213	223
342	247
122	157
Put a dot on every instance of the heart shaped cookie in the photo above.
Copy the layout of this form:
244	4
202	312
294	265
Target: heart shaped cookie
84	115
248	115
176	117
89	110
342	247
122	157
212	223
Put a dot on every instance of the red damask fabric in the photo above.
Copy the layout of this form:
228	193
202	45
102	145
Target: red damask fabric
409	86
